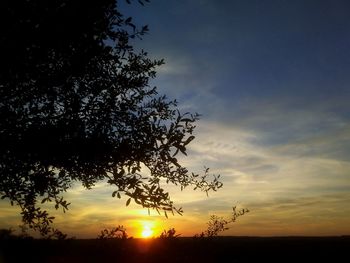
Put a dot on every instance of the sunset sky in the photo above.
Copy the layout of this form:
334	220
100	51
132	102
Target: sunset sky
271	80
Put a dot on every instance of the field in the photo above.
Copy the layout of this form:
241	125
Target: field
221	249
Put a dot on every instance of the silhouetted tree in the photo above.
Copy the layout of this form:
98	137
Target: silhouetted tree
118	232
76	106
6	234
169	234
217	224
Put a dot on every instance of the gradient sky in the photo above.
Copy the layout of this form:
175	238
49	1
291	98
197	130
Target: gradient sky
271	80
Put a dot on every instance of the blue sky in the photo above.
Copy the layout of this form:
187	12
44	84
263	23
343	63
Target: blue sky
271	80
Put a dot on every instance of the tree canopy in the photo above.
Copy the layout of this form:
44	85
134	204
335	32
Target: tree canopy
76	106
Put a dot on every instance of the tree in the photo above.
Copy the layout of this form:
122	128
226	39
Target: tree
76	106
217	224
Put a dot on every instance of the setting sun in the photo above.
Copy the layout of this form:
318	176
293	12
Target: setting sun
147	230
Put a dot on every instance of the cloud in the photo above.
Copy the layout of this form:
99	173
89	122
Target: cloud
298	175
313	215
286	184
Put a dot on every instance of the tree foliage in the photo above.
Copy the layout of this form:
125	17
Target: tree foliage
76	106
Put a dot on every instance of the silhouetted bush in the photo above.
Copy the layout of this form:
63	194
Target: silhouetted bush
169	234
118	232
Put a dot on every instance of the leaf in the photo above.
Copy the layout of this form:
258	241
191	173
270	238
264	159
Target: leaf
152	188
189	139
134	170
174	161
177	150
128	20
186	120
179	211
128	201
182	149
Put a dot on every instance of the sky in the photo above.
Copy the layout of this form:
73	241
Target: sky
271	82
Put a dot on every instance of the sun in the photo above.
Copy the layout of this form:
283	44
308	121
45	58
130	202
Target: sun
147	231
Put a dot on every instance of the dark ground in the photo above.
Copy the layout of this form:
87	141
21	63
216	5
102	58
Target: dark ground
221	249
